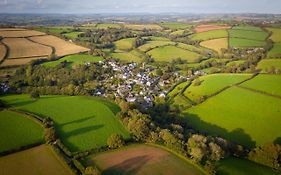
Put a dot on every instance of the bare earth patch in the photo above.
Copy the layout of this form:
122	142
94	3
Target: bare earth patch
19	33
3	51
205	28
18	62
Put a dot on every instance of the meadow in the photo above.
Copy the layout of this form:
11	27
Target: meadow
275	52
235	63
106	26
72	60
73	35
267	64
248	34
18	130
213	83
153	44
38	160
266	83
54	30
168	53
174	25
242	43
142	26
178	32
216	44
142	159
81	122
125	44
212	34
132	56
239	115
247	27
191	48
178	88
276	34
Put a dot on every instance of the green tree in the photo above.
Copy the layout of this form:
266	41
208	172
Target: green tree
115	141
50	135
34	95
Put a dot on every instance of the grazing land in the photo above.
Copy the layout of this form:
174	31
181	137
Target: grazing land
208	35
235	63
267	64
23	48
244	43
125	44
142	159
276	34
178	88
266	83
178	32
174	25
143	26
72	60
128	56
275	52
235	166
3	52
81	122
169	53
18	130
54	30
234	115
216	44
38	160
106	26
20	33
73	35
247	27
62	47
205	28
152	44
248	34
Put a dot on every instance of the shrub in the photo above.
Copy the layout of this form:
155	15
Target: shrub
115	141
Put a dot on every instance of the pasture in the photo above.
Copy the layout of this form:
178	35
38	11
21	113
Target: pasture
18	130
178	88
22	48
3	52
81	122
216	44
266	83
38	160
180	101
244	43
62	47
191	48
125	44
157	38
275	52
208	35
239	115
72	60
153	44
178	32
142	159
169	53
175	25
106	26
247	27
54	30
143	26
235	63
19	33
211	84
236	166
276	34
267	64
209	27
248	34
73	35
132	56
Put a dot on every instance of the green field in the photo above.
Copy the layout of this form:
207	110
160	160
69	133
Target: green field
246	27
191	48
239	115
40	160
152	44
178	88
106	26
275	51
54	30
247	34
178	32
168	53
125	44
213	34
181	101
73	35
211	84
235	166
267	64
132	56
276	34
81	122
174	25
73	60
17	130
158	38
142	159
266	83
235	63
242	43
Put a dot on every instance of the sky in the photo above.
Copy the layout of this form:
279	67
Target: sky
140	6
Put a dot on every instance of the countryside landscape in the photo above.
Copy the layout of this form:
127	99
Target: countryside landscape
112	89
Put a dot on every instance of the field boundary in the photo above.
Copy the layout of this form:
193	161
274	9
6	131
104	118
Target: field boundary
7	52
259	91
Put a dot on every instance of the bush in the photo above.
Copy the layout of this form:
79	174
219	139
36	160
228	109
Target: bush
115	141
34	95
50	135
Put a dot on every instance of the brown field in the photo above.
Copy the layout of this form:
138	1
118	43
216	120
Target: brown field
19	33
142	26
22	47
205	28
11	29
142	159
216	44
38	160
62	47
3	51
18	62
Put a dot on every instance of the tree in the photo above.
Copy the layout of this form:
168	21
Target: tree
50	135
115	141
34	95
92	171
197	82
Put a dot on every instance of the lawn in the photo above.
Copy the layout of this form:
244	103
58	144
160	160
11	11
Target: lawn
235	166
73	60
247	34
239	115
152	44
81	122
175	25
213	34
266	83
18	130
276	34
40	160
242	43
275	52
211	84
216	44
168	53
142	159
267	64
125	44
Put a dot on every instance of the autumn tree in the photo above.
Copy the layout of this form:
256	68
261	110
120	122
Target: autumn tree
115	141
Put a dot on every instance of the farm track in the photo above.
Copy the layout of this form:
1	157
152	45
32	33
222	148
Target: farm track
258	91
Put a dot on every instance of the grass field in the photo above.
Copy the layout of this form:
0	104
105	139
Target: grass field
267	64
125	44
247	27
18	130
81	122
54	30
241	43
211	84
168	53
73	35
191	48
158	38
216	44
152	44
20	33
142	159
205	28
142	26
213	34
178	88
266	83
3	51
235	63
180	101
247	34
239	115
276	34
73	60
175	25
40	160
235	166
62	47
275	51
21	47
106	26
128	56
178	32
